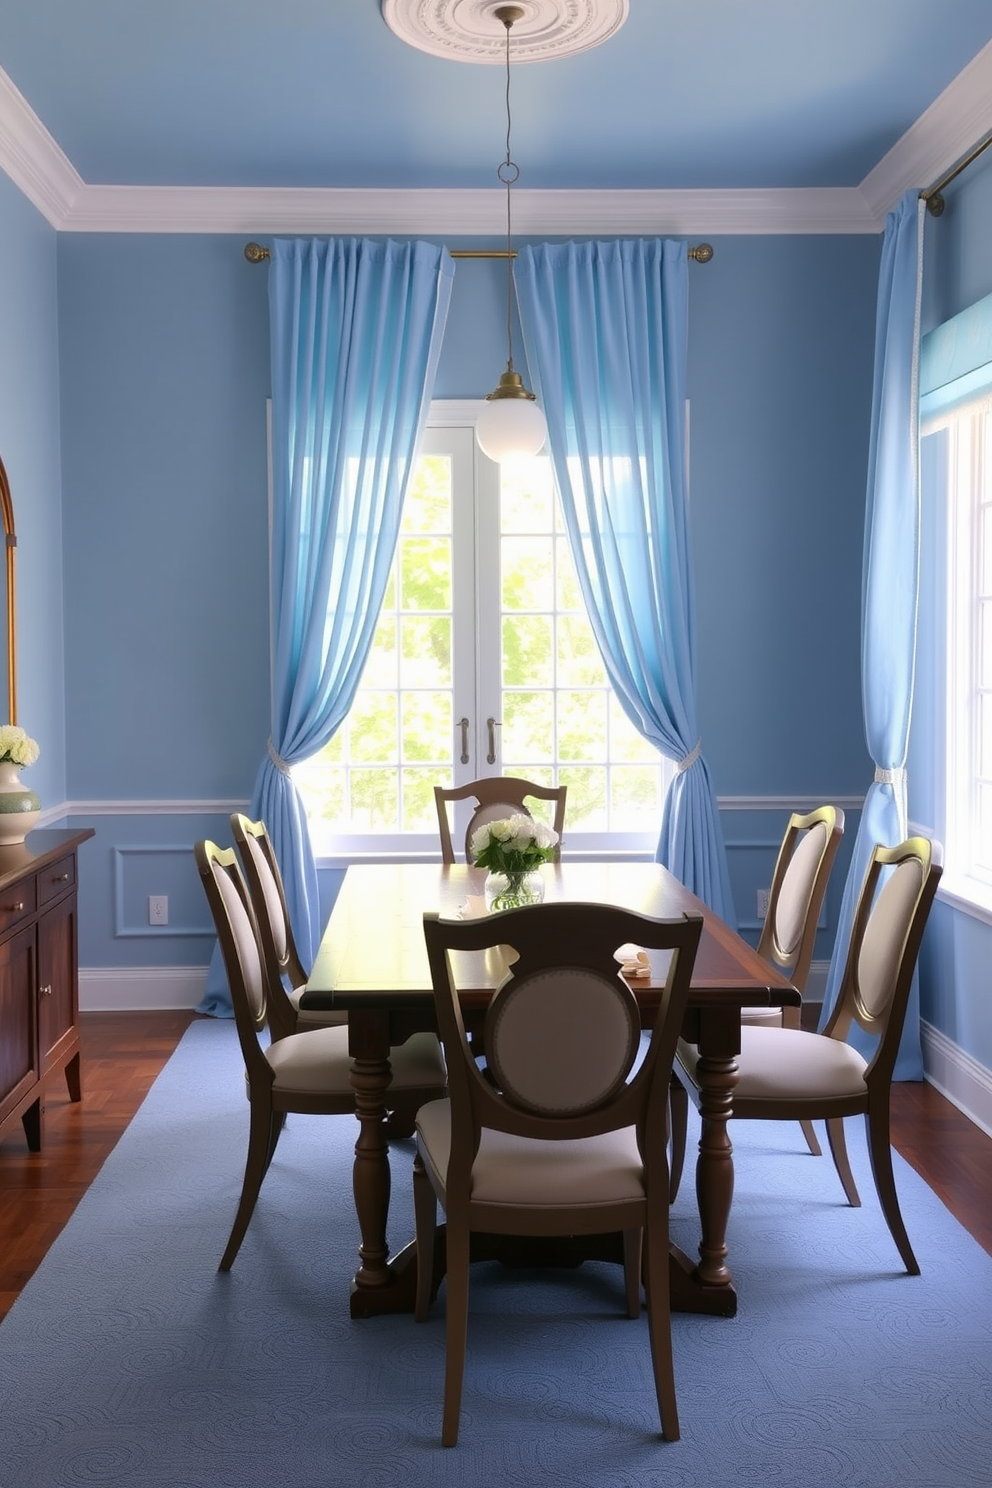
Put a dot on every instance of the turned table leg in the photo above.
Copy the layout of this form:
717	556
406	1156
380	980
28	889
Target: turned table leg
715	1166
370	1076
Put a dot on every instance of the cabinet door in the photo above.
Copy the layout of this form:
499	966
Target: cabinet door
18	1004
59	991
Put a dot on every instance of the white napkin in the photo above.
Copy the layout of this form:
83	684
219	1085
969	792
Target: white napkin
633	960
473	908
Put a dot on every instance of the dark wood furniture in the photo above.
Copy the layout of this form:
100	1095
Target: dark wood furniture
373	962
39	975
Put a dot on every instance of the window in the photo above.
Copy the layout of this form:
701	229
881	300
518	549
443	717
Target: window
483	663
967	828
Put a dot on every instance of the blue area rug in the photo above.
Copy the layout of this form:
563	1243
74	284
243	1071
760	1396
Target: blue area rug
128	1360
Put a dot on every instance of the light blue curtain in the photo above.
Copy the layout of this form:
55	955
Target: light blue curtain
605	330
890	581
356	330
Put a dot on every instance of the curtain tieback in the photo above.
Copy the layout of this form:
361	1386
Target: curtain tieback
690	759
890	777
277	759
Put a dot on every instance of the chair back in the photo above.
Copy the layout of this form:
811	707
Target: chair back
496	796
231	909
268	900
799	884
562	1031
891	915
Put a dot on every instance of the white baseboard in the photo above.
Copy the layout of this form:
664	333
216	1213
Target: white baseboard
140	988
965	1082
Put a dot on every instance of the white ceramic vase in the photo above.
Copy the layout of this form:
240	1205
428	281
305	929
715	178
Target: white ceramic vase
19	807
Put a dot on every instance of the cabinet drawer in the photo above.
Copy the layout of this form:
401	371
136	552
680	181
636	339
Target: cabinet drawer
56	879
17	901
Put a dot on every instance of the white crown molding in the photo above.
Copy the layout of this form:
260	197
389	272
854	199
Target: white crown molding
481	213
32	159
952	125
34	162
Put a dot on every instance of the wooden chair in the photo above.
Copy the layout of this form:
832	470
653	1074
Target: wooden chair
496	796
788	1074
287	975
305	1072
798	888
788	935
562	1142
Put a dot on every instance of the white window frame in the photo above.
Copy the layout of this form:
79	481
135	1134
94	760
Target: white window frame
967	485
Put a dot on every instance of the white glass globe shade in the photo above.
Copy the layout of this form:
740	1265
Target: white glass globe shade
509	427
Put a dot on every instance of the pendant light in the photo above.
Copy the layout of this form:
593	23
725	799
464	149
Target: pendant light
511	424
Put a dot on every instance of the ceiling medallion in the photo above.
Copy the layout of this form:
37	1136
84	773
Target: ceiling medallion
470	31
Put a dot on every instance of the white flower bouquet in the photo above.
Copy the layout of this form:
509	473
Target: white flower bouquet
513	848
15	746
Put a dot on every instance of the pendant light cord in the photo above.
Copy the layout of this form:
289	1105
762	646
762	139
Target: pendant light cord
508	171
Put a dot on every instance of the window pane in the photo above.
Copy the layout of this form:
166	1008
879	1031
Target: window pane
582	726
425	573
985	644
635	793
586	806
427	726
528	729
426	651
373	800
528	573
428	503
380	669
419	811
527	496
372	726
579	662
528	651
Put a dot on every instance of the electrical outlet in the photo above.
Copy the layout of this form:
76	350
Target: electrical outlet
158	909
762	903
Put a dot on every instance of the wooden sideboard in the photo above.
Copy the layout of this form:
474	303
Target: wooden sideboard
39	975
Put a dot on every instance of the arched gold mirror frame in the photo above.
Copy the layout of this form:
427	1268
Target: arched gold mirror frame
10	541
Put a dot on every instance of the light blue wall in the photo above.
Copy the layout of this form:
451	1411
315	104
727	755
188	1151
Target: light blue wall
164	368
29	447
957	951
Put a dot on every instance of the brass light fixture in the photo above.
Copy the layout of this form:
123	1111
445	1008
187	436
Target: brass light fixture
511	424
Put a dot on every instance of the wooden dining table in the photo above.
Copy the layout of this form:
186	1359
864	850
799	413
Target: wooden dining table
372	962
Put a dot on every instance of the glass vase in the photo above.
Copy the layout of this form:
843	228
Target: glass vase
513	890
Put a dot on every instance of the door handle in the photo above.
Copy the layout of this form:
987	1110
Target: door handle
492	724
463	725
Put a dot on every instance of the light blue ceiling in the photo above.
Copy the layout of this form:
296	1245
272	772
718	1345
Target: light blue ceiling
698	93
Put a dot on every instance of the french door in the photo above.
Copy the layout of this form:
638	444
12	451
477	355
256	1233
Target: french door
483	663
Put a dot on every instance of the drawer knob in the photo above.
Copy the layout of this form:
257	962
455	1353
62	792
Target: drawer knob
47	991
15	908
62	878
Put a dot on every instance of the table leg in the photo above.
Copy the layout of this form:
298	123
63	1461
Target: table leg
715	1166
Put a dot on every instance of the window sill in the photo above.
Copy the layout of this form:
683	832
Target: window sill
967	895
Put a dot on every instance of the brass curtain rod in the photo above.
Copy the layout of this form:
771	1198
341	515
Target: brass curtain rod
258	253
933	197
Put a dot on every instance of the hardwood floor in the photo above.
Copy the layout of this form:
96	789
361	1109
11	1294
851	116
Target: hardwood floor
123	1053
